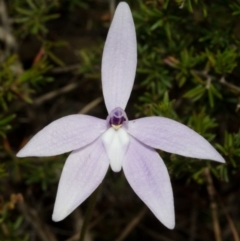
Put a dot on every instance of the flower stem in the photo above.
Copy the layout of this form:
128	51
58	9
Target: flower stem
91	205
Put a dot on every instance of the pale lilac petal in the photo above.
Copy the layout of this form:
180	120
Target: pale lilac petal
83	171
172	136
148	177
63	135
119	59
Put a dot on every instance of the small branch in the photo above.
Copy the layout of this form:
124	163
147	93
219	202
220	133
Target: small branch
55	93
112	7
5	32
230	221
65	69
221	81
66	89
229	85
4	16
135	221
182	4
76	236
232	226
212	196
91	105
31	216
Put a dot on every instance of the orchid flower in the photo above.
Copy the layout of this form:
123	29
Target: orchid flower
122	144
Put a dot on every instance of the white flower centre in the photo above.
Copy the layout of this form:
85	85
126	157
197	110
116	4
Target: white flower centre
116	142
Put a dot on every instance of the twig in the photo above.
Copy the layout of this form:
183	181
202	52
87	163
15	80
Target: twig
5	32
65	69
91	105
76	236
230	222
97	220
212	196
55	93
135	221
229	85
4	15
182	4
112	6
78	223
232	226
221	81
204	74
30	215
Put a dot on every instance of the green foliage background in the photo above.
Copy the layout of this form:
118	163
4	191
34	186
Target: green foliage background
188	70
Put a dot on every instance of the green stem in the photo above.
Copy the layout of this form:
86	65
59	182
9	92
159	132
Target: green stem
91	205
